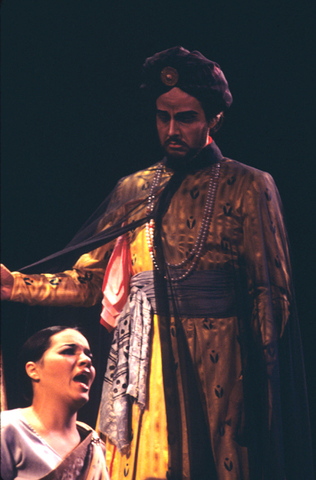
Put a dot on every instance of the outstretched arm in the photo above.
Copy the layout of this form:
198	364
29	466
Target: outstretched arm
7	281
81	286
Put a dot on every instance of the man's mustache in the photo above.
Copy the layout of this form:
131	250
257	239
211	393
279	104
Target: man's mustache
174	140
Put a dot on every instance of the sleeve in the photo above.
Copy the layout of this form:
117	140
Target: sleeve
80	287
266	256
268	272
274	383
8	469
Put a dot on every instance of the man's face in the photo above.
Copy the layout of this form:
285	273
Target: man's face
181	124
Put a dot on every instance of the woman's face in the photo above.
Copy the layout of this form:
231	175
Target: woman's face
65	371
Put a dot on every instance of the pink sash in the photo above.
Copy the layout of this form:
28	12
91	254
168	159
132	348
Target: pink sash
115	286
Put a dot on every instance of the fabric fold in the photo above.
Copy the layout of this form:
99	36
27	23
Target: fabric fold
115	286
127	369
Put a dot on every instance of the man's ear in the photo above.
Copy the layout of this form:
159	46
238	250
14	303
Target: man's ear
215	121
31	369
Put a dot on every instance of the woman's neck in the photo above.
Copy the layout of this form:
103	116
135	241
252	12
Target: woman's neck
56	425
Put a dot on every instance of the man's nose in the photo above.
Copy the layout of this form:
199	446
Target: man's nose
173	128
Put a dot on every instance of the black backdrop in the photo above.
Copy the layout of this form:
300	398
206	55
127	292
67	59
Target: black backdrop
71	122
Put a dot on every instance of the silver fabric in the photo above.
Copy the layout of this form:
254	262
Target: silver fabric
25	455
22	448
127	368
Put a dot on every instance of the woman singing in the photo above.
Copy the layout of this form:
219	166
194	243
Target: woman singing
45	441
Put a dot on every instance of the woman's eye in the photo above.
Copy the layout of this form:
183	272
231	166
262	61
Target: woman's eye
89	354
68	351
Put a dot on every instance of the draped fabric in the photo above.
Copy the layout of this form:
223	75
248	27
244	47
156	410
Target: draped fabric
85	462
115	286
205	292
246	369
127	369
127	366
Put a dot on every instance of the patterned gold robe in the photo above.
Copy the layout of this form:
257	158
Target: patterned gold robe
247	239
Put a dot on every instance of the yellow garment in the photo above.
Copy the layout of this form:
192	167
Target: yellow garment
148	455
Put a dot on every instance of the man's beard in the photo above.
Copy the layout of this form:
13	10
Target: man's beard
176	161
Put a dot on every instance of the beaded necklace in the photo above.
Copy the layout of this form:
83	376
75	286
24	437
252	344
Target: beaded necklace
195	254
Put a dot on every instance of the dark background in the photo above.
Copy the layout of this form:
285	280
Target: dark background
72	125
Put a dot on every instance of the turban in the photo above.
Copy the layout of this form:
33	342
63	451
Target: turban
191	72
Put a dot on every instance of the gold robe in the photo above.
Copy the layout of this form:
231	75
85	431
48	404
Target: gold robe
246	233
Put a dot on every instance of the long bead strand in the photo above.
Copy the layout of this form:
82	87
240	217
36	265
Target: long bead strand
196	252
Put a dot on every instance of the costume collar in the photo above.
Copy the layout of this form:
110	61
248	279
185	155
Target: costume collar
207	156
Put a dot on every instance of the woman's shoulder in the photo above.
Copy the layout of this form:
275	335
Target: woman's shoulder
85	430
84	426
10	417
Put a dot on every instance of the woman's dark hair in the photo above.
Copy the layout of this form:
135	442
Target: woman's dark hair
32	351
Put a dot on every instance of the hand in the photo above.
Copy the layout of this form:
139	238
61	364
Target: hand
7	280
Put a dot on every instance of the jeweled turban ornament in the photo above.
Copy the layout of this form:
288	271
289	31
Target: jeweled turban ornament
169	76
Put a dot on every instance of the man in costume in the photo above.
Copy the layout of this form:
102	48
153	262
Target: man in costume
205	375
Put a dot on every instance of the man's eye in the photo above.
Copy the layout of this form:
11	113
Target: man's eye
163	117
186	118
